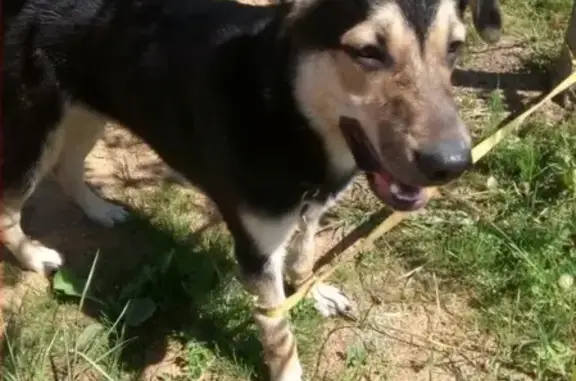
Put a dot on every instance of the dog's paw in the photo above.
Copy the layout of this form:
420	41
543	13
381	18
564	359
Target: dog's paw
292	372
330	301
106	213
37	257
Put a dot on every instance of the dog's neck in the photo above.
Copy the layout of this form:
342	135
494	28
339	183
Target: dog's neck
271	55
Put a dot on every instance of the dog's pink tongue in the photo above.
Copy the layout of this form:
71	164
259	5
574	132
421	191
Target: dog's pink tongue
380	183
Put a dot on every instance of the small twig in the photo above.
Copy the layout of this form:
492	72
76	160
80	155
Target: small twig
410	273
361	323
325	342
437	293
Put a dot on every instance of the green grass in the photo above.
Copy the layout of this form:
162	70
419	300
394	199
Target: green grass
519	242
47	340
493	253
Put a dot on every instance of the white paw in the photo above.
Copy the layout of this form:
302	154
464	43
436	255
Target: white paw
330	301
292	373
39	258
106	213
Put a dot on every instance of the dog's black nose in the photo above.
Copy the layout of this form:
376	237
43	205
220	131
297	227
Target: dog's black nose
443	161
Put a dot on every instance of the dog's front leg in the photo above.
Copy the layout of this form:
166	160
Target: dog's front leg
280	349
260	251
328	300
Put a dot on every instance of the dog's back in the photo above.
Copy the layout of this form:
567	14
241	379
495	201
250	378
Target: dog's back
151	64
101	52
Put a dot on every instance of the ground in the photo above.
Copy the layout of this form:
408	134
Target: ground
477	287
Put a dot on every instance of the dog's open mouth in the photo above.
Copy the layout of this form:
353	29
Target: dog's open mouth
384	185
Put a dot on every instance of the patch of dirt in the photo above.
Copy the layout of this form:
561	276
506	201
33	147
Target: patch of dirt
504	67
507	56
170	366
427	339
406	333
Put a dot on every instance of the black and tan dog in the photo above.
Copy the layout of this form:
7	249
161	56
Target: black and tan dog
269	110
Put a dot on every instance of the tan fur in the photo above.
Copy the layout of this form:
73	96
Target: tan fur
401	108
300	261
64	151
272	236
30	253
280	351
82	129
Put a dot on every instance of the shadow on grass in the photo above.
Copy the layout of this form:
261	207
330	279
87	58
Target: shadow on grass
191	279
510	83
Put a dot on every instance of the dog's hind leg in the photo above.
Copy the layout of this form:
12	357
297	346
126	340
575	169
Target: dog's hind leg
260	250
329	300
81	130
31	254
487	19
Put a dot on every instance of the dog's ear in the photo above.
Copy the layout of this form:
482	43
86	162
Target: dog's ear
486	16
299	8
322	22
292	11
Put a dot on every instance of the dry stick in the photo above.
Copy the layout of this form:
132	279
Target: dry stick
363	238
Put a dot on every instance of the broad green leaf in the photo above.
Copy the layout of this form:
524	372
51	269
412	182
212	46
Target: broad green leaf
68	283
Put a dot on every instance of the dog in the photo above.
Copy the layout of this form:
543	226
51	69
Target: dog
269	110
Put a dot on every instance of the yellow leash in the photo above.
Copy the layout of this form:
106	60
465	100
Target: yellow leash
395	218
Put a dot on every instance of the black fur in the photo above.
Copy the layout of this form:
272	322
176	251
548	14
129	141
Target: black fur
325	21
419	14
207	84
321	24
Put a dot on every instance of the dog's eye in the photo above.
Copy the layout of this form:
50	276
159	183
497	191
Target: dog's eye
370	57
453	51
454	47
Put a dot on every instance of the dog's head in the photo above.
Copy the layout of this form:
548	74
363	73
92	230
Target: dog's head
374	78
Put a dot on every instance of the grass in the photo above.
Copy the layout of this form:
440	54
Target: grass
517	245
475	287
70	347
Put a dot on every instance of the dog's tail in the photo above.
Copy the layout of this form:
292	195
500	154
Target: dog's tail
487	18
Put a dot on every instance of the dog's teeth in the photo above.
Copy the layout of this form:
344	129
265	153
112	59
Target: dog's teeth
404	193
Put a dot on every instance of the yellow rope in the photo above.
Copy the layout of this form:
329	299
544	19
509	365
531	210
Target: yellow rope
395	218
